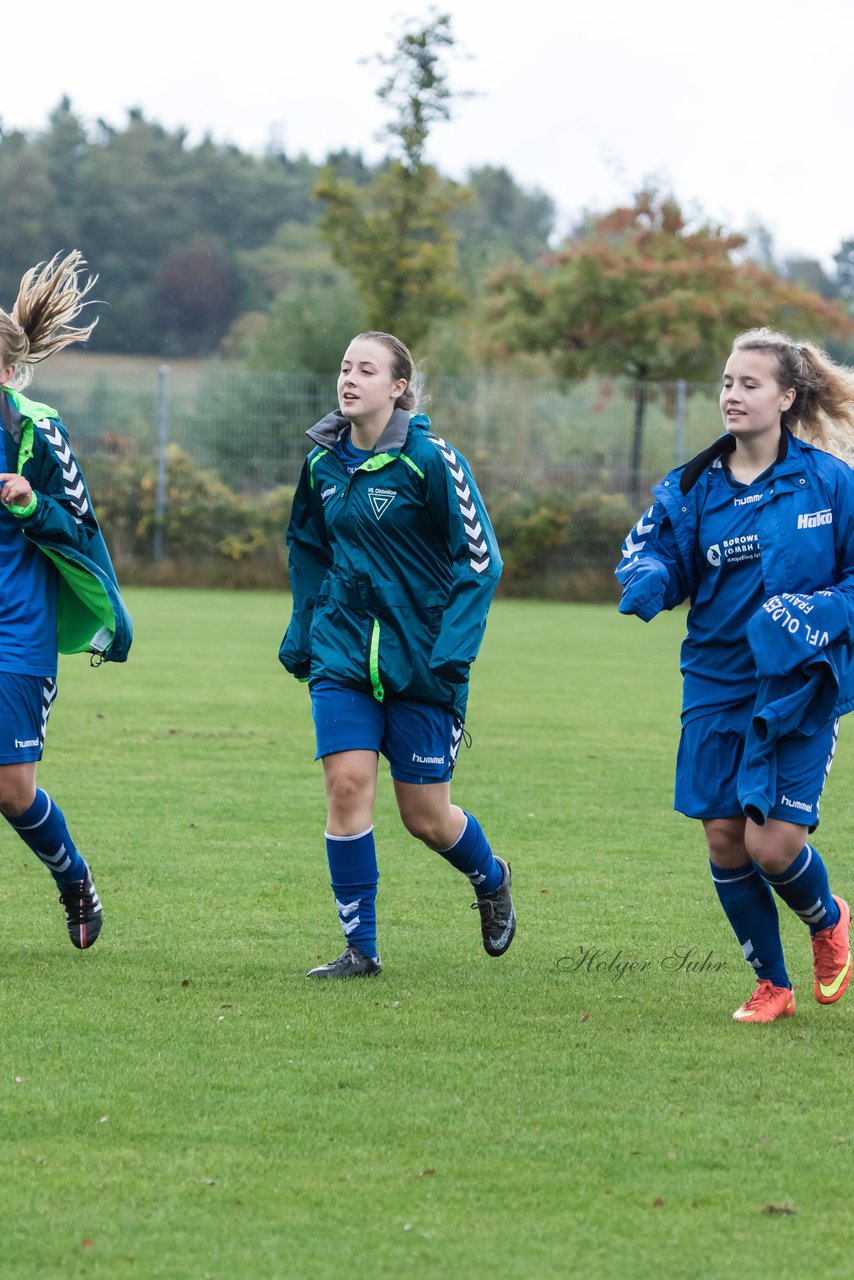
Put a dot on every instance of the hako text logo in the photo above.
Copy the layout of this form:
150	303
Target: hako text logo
713	555
814	519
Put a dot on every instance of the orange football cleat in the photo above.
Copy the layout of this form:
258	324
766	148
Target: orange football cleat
832	957
767	1004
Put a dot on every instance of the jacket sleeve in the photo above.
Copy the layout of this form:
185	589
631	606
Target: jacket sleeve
309	559
61	510
651	573
459	512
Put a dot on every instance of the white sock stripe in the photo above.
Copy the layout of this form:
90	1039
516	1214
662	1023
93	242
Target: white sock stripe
733	879
775	884
358	837
350	926
54	864
812	915
347	908
33	825
458	839
747	951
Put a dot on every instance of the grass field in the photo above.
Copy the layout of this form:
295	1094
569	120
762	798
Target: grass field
181	1102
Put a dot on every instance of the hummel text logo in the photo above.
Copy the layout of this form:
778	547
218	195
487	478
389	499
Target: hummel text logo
795	804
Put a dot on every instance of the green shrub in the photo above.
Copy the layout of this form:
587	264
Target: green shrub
560	544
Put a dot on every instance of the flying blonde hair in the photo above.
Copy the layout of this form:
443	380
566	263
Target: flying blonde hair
51	295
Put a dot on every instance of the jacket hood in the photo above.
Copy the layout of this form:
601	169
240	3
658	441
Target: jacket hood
327	431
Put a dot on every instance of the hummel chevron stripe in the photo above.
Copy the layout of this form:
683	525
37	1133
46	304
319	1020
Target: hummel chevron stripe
71	476
630	547
478	549
48	695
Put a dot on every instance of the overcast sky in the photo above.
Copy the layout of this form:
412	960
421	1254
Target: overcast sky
742	108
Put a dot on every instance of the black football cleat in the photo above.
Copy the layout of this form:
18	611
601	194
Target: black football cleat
83	911
352	963
497	917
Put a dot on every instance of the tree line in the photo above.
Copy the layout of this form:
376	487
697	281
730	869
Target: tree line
194	240
203	248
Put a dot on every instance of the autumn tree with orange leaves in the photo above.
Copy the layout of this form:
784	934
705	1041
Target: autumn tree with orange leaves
639	292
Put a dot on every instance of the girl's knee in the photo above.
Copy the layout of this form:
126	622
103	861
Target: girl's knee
725	841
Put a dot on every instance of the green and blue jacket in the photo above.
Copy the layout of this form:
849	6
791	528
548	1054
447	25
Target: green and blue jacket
91	616
392	568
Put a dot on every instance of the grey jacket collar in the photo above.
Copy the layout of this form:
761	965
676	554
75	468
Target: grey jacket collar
10	419
327	431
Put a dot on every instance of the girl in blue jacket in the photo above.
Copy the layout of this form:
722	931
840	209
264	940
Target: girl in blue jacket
759	527
393	563
58	592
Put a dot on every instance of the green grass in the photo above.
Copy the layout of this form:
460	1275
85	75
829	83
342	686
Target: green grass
180	1102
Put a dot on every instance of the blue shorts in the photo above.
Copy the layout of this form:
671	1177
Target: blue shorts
25	703
709	759
419	740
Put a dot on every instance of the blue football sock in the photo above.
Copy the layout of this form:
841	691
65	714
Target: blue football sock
750	908
354	873
805	888
471	854
42	827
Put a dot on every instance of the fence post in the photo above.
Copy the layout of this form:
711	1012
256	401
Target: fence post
637	440
162	442
679	439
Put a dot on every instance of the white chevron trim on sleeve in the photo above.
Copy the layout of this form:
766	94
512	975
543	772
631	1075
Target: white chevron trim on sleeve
641	529
71	477
478	549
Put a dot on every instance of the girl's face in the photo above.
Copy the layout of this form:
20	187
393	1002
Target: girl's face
366	389
752	399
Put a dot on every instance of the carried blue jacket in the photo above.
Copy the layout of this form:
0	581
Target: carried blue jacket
805	665
91	616
392	568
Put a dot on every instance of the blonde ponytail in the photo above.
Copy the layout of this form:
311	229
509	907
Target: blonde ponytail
51	295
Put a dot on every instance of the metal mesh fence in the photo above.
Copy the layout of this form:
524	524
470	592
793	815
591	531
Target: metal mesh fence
192	470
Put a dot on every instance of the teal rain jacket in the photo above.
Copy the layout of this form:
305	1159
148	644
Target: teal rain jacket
91	616
392	568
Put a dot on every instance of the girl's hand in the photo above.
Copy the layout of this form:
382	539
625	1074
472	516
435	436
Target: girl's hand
15	491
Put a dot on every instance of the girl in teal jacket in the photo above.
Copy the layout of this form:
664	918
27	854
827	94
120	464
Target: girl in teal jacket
393	564
58	591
